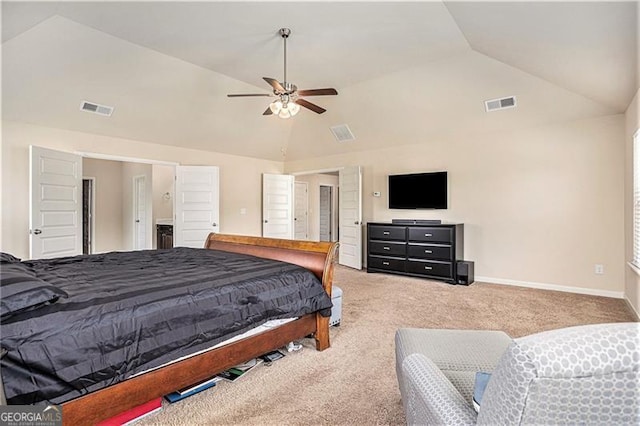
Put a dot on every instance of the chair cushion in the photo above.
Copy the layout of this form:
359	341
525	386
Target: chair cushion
459	354
576	375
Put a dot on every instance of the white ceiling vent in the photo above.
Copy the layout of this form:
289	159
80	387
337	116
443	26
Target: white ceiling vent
96	109
502	103
342	133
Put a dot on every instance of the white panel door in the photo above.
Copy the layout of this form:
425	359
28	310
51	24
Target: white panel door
277	206
301	213
197	206
350	180
55	222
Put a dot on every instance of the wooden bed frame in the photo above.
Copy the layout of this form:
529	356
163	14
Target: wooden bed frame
318	257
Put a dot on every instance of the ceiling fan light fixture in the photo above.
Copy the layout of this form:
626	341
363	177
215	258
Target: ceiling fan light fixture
284	113
293	108
275	106
284	109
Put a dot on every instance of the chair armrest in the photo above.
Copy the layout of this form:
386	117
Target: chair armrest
430	398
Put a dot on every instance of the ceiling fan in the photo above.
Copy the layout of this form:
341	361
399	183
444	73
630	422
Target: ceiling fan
288	98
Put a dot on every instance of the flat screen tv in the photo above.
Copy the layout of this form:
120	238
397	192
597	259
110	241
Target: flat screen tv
418	191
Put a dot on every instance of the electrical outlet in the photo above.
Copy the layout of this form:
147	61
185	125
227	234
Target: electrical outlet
599	269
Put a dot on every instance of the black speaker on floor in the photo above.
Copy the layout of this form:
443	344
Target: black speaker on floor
465	272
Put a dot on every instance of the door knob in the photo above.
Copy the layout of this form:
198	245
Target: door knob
214	224
37	231
266	221
137	220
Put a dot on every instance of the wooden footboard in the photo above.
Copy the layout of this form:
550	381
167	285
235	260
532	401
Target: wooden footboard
317	257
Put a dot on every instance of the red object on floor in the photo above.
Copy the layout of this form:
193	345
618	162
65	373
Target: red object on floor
133	414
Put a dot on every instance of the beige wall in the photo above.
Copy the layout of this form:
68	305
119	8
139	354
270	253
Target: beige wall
632	282
114	200
314	181
632	116
240	177
540	206
108	203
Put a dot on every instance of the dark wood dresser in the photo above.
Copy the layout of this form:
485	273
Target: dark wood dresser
429	251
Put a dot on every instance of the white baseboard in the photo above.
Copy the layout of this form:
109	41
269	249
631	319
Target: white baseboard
556	287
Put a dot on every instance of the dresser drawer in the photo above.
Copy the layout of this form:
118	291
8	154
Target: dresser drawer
431	235
390	248
428	251
439	269
386	263
387	233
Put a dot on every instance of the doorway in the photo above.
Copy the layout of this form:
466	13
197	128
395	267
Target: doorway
88	208
345	218
326	213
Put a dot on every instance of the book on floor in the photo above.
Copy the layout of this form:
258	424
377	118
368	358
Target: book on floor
205	384
271	356
237	371
134	414
192	390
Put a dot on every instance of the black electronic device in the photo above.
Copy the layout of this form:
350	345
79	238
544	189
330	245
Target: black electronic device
416	221
465	272
418	191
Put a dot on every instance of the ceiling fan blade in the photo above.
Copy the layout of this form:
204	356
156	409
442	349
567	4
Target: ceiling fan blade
267	111
309	105
317	92
241	95
275	84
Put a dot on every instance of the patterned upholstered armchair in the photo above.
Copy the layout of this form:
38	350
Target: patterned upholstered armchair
577	375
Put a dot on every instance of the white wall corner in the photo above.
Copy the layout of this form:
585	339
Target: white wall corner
632	308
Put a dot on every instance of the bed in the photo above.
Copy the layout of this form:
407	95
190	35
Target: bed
169	294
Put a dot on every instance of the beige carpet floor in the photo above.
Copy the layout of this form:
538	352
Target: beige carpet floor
354	382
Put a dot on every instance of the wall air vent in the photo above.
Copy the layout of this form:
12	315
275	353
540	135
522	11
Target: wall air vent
342	133
502	103
96	108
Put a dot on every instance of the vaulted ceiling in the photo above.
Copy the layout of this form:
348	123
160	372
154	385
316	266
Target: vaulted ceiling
406	72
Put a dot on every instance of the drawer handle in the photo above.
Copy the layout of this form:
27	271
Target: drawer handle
385	263
386	248
428	251
385	233
428	235
428	268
